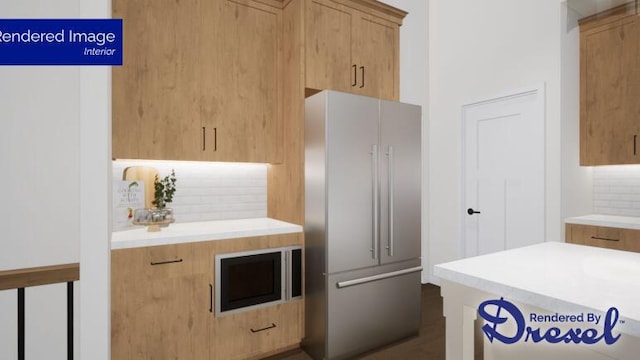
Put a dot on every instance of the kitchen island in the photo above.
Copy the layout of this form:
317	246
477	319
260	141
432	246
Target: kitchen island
551	278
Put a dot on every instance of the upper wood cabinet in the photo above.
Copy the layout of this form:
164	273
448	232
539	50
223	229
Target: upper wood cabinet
156	113
352	48
610	88
200	81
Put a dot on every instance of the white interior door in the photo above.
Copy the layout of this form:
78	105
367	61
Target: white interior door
503	194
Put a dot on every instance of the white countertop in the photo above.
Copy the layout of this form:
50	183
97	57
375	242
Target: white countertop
624	222
201	231
557	277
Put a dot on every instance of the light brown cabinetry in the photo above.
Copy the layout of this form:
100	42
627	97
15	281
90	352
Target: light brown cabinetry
257	333
156	112
322	41
605	237
160	302
200	81
610	88
352	48
162	305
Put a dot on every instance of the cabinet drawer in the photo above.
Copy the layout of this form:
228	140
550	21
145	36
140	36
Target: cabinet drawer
257	333
160	262
604	237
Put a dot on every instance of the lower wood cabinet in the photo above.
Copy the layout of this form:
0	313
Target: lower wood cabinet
160	302
162	306
257	333
604	237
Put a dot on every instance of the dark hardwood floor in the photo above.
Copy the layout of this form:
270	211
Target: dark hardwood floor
428	345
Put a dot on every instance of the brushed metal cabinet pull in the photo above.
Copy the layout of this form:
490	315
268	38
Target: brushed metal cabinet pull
204	138
362	70
272	326
153	263
605	239
635	142
215	139
355	75
210	298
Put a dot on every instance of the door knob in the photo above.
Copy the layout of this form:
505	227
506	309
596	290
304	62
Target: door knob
470	211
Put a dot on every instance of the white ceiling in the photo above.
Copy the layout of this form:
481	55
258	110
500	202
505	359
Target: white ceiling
589	7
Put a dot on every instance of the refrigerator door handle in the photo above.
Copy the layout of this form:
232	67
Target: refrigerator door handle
344	284
374	189
391	188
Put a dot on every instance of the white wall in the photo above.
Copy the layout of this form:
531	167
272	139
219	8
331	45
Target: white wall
479	49
95	200
55	161
577	194
414	89
40	179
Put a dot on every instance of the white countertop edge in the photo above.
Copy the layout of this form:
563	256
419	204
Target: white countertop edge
614	221
202	231
542	301
510	292
631	326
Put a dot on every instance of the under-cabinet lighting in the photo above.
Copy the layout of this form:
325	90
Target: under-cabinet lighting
187	164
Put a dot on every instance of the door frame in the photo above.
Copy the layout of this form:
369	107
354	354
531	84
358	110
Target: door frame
539	90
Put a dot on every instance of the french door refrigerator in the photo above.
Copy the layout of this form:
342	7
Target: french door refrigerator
362	223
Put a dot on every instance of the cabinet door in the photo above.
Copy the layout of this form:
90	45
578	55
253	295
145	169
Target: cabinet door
328	47
400	181
374	50
242	114
160	302
156	112
610	87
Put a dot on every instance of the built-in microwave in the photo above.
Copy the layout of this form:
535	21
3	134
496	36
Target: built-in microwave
250	279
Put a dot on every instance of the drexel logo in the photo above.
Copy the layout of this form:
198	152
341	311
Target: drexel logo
498	313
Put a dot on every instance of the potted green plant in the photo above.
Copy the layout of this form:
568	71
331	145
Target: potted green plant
164	189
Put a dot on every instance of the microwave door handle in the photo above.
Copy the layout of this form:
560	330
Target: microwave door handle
287	272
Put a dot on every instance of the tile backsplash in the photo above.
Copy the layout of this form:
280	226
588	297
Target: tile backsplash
210	191
616	190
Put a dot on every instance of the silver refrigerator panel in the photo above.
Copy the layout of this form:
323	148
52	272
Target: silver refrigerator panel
315	225
370	314
400	181
352	181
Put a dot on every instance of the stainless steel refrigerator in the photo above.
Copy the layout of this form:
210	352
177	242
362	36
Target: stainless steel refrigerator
362	224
